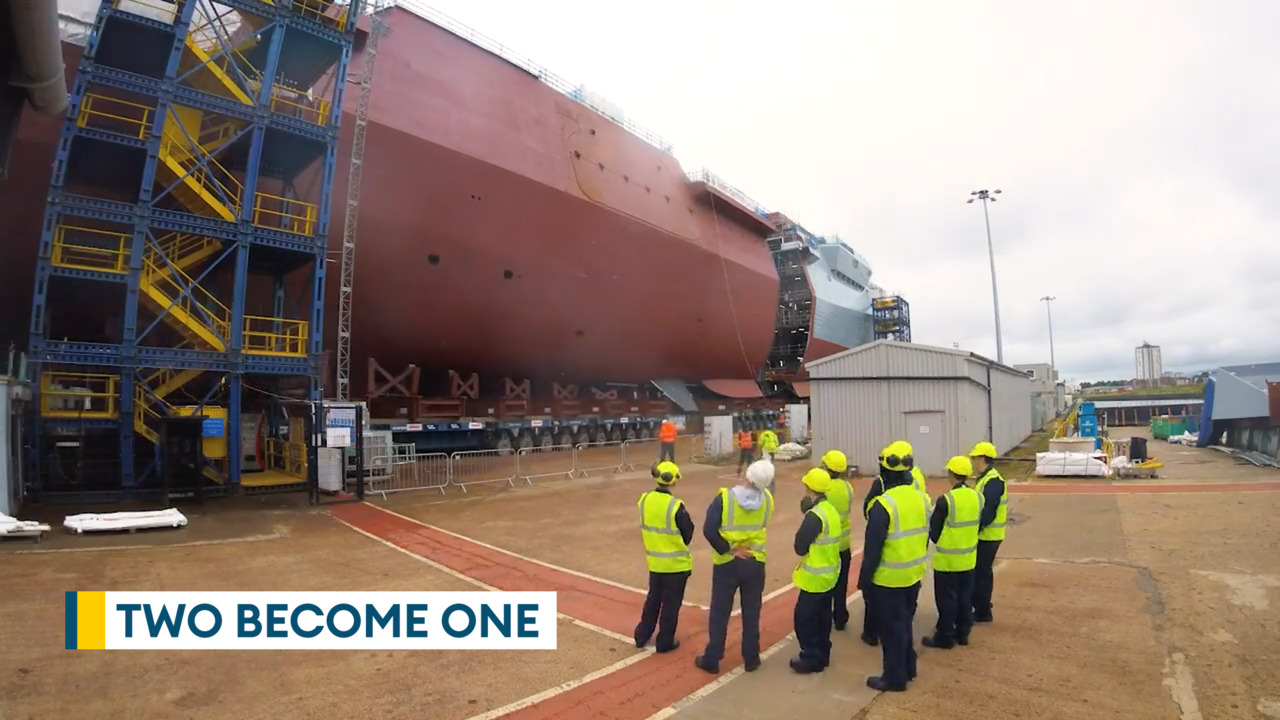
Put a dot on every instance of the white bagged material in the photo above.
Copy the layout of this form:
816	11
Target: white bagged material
1185	438
1069	464
14	527
96	522
790	451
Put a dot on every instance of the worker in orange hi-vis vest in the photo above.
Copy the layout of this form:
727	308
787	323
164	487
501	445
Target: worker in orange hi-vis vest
667	441
745	454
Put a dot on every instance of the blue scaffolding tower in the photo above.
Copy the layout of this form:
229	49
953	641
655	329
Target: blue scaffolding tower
891	317
182	259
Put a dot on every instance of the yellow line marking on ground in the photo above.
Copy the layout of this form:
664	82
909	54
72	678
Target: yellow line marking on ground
526	558
485	586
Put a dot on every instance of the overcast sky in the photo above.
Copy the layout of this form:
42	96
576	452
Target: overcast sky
1137	145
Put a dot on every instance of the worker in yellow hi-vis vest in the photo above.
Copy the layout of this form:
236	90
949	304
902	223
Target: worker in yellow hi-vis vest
768	444
893	563
953	529
737	529
667	530
818	545
995	507
840	495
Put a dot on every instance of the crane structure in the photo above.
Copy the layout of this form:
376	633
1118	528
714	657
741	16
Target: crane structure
346	281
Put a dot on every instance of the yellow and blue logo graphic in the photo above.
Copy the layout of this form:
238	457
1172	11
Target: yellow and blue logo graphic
86	620
98	620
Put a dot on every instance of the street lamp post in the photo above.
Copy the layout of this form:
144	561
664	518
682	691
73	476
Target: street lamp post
990	196
1048	307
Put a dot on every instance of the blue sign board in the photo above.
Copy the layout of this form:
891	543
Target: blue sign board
213	427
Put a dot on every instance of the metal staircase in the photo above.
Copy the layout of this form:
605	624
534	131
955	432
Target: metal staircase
216	204
794	314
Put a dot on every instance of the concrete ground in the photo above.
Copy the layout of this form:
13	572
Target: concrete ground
1141	599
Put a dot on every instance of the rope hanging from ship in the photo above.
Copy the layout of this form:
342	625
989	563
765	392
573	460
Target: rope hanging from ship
728	291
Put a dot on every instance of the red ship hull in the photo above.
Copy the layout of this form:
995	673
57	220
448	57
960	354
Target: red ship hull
504	229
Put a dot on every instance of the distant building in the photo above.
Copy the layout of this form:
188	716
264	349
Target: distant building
1048	396
1237	409
1175	378
1146	360
937	399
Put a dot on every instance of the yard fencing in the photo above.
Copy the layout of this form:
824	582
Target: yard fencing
403	470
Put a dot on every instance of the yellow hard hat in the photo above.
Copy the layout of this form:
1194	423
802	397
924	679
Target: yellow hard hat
983	449
897	456
960	465
667	473
835	461
817	480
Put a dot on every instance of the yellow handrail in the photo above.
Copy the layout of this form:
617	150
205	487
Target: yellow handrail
79	395
114	110
210	175
286	456
69	254
1067	424
316	9
293	216
218	316
144	409
262	338
207	38
312	110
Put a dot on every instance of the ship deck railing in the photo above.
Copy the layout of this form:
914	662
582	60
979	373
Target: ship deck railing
711	179
546	76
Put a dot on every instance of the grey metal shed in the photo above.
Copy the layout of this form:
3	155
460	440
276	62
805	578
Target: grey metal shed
940	400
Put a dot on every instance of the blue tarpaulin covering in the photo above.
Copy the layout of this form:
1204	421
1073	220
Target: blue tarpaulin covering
1206	417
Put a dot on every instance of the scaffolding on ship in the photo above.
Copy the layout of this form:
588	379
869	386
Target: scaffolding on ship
193	176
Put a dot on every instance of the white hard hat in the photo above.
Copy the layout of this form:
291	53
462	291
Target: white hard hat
760	473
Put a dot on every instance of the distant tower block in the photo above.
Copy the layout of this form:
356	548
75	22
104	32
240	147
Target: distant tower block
892	318
1147	366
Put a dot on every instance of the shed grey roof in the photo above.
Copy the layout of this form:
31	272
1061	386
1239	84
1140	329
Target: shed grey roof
1256	375
871	346
1240	391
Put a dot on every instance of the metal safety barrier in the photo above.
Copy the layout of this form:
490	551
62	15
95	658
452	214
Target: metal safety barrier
598	457
400	472
640	453
474	467
690	448
548	461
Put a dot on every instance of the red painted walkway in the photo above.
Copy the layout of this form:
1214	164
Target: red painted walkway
658	681
632	693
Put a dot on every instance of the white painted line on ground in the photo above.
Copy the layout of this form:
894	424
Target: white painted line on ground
277	535
786	588
726	678
526	558
559	689
740	670
485	586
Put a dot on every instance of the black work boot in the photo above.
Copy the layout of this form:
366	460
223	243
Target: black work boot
932	641
878	684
